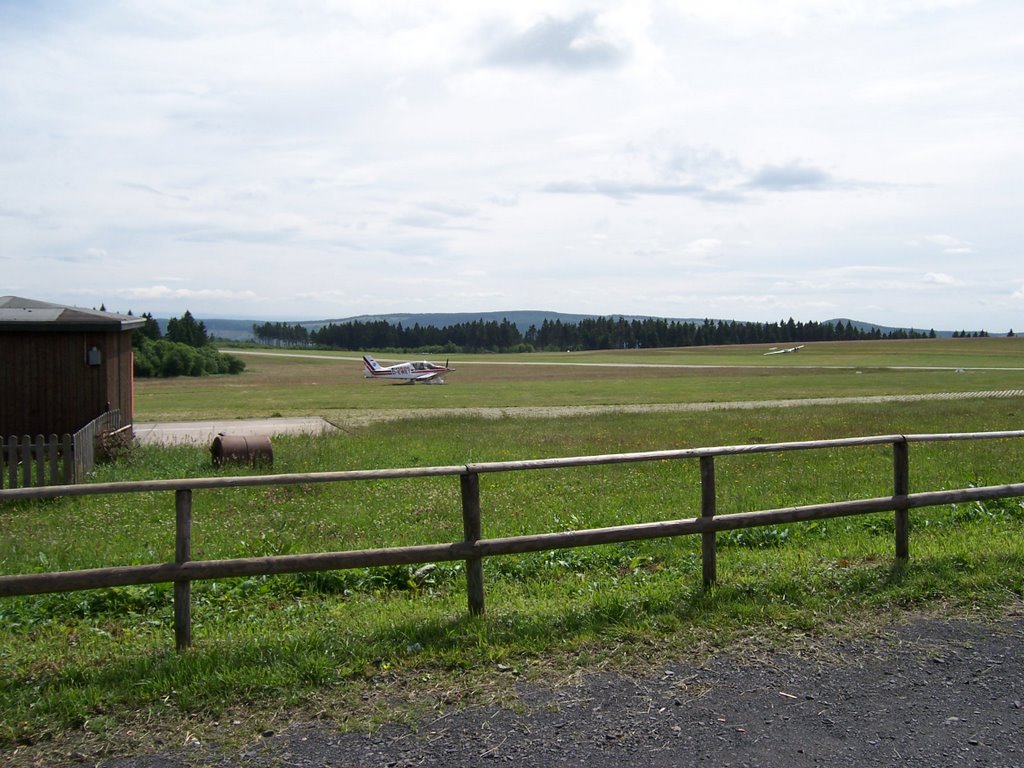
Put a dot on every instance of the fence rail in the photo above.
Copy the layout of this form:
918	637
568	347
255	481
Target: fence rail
39	461
473	548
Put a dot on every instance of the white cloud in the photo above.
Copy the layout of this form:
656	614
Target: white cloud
188	294
792	176
940	278
702	248
608	156
950	245
576	43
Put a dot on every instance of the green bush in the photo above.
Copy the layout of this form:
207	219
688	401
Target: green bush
164	358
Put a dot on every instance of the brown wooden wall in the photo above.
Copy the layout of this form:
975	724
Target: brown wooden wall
46	385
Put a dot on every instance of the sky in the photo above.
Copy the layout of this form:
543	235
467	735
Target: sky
305	160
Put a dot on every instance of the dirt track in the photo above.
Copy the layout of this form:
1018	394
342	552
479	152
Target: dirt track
929	692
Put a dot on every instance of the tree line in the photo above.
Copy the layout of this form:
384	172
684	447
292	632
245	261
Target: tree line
185	350
554	335
978	334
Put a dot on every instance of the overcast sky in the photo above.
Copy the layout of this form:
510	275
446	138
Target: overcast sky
309	160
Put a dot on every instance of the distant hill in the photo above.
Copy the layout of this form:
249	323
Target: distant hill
232	330
241	330
862	326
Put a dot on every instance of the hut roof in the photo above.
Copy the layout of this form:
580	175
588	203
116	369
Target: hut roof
18	314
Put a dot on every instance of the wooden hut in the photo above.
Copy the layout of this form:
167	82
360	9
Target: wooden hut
61	367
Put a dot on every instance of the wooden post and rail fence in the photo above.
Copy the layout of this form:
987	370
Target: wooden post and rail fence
473	548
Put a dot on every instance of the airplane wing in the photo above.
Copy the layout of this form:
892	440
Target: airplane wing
428	376
784	351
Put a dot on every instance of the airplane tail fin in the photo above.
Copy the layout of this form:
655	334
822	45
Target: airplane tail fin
370	365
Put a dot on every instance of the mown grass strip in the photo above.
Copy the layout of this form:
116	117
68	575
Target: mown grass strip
331	384
102	660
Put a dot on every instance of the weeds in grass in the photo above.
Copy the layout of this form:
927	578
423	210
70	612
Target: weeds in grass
93	660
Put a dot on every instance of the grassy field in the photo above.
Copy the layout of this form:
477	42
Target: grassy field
331	384
95	673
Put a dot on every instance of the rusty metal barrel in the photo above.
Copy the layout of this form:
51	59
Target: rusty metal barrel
241	449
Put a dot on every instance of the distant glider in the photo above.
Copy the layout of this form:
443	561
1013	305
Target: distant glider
412	372
774	351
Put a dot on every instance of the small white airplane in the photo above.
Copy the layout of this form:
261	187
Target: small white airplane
412	372
774	351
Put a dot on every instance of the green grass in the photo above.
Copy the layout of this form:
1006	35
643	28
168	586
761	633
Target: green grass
332	385
94	671
955	353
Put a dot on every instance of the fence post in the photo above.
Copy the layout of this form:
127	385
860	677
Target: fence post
52	451
469	484
26	461
12	462
68	453
901	487
39	449
182	554
708	552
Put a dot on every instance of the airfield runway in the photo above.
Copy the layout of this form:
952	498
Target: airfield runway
170	433
591	364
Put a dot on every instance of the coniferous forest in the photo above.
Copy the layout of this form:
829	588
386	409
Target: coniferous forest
588	334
